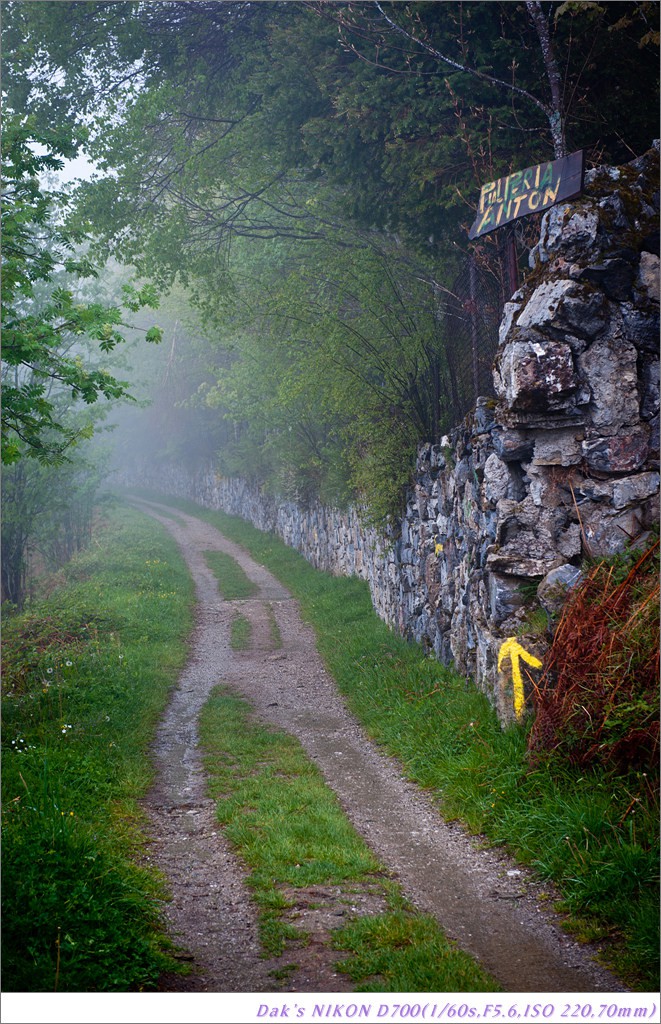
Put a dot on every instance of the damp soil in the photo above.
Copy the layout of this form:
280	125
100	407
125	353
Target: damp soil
491	906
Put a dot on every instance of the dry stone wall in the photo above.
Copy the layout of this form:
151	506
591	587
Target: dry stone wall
564	463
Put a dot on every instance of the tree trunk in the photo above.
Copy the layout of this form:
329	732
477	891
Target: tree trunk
554	112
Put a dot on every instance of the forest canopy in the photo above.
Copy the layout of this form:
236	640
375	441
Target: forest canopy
301	177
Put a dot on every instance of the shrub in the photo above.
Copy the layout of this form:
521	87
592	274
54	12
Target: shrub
598	700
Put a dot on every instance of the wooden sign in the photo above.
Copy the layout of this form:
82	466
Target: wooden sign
527	191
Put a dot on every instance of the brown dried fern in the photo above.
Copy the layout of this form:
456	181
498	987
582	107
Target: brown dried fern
597	701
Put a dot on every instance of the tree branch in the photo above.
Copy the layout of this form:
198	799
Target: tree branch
481	75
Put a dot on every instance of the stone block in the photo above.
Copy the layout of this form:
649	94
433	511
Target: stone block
609	367
513	700
568	541
483	418
498	482
512	445
505	597
632	490
536	376
524	558
557	448
542	308
565	228
654	442
613	211
510	311
640	327
652	243
648	275
608	534
462	472
621	453
586	314
614	277
553	589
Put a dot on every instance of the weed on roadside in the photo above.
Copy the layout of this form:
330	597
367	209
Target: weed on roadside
86	676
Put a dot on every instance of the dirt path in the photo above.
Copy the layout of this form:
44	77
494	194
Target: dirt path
486	903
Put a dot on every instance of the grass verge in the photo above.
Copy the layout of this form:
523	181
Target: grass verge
291	832
593	832
86	675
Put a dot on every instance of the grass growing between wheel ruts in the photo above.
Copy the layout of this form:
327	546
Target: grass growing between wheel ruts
290	830
233	583
276	636
593	833
240	633
86	675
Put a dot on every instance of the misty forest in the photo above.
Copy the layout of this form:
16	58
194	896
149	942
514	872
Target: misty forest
236	235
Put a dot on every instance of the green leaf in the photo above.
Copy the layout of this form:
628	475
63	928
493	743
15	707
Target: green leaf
154	335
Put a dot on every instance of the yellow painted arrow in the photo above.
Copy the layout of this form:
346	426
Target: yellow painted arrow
512	649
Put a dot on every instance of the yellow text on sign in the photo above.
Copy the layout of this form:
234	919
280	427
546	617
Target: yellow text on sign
512	649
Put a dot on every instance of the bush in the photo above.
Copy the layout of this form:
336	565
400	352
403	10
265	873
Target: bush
598	701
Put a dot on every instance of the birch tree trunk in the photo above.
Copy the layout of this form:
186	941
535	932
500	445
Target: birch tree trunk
554	111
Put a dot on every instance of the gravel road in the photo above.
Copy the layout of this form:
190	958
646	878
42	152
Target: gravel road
486	903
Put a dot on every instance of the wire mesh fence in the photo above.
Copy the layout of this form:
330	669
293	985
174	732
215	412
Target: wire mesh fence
471	313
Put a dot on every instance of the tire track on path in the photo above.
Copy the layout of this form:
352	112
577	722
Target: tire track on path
481	899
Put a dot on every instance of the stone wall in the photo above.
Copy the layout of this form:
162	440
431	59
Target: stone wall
562	465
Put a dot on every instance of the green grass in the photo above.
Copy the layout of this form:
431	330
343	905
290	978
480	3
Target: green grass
86	675
594	834
276	636
233	583
290	830
397	953
240	633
